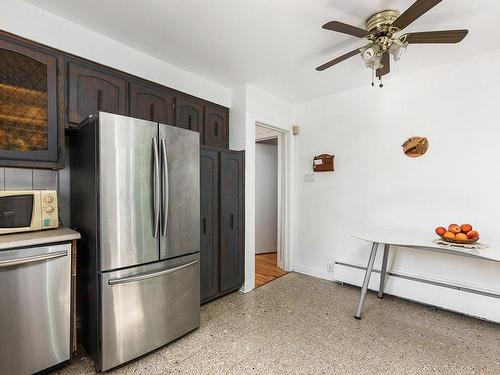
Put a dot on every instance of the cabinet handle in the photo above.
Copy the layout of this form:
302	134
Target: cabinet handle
216	128
189	122
204	225
99	100
231	221
152	112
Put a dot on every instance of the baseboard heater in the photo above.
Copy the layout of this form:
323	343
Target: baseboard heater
425	281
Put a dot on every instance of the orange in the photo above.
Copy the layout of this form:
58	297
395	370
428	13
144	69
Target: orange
449	235
461	236
440	231
466	228
473	234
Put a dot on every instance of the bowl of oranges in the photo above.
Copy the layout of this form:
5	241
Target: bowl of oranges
461	234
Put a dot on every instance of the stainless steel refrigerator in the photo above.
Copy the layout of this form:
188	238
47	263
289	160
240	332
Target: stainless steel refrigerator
135	199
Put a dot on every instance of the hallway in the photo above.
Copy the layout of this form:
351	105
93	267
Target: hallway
266	268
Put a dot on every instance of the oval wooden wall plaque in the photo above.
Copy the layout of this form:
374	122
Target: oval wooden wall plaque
415	147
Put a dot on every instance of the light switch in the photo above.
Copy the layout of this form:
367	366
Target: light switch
310	178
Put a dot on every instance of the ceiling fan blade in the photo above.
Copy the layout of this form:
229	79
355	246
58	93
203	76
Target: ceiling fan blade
346	29
418	8
446	36
337	60
386	62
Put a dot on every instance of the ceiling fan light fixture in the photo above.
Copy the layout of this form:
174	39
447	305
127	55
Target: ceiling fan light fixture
398	49
375	63
369	53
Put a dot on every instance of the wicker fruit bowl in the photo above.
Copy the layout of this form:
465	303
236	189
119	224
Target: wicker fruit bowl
463	234
468	241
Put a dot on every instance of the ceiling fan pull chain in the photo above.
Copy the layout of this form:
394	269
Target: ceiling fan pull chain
380	80
373	76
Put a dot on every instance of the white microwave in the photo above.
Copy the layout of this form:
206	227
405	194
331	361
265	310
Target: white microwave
29	210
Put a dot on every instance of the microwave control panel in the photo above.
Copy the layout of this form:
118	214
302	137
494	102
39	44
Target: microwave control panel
50	214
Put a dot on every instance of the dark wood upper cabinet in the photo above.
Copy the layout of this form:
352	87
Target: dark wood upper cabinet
91	90
44	90
216	127
152	103
232	249
29	131
209	212
189	114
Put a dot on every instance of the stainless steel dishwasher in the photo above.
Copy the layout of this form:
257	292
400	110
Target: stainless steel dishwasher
34	308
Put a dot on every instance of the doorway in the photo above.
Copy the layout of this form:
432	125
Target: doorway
268	205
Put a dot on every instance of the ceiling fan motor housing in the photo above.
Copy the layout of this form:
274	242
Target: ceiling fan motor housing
381	21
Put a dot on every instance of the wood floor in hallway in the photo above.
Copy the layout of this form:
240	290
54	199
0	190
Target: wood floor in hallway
266	268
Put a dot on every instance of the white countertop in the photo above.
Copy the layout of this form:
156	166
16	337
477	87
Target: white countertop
420	240
41	237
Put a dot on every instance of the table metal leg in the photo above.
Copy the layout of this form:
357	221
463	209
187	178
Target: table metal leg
366	281
383	271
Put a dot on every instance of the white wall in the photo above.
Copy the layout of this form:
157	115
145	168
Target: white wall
28	21
375	185
266	198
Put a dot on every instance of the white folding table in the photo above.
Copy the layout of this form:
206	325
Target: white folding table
415	240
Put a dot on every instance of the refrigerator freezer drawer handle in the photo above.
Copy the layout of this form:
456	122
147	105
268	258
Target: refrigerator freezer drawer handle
165	192
132	279
31	259
156	189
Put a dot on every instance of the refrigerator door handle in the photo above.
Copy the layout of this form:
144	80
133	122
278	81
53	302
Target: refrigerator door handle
165	191
34	258
131	279
156	189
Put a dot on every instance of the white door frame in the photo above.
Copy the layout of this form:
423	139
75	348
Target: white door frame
285	191
251	120
280	212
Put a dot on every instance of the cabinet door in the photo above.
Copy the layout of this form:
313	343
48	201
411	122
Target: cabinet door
151	103
209	208
188	114
215	130
91	91
232	256
28	104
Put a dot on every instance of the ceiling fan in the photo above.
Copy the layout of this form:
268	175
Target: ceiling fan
380	32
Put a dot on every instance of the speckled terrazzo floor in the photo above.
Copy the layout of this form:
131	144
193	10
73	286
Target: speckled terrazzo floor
302	325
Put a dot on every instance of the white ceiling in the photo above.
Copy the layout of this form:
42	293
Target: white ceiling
275	44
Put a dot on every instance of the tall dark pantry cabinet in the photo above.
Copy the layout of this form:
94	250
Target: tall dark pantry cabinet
222	253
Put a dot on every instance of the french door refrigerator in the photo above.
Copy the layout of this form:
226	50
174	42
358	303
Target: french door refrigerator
135	198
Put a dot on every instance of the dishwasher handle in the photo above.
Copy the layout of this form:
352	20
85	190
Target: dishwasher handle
131	279
34	258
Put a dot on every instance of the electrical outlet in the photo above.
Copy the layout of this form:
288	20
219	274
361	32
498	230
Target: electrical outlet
329	267
310	178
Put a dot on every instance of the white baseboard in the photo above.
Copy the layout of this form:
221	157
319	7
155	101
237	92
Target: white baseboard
464	302
311	271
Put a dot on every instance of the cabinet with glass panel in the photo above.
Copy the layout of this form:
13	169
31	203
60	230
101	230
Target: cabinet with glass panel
29	131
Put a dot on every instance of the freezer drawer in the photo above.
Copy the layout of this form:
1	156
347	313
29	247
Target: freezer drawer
34	308
146	307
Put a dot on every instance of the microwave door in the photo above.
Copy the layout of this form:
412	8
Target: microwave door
180	190
19	211
129	191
